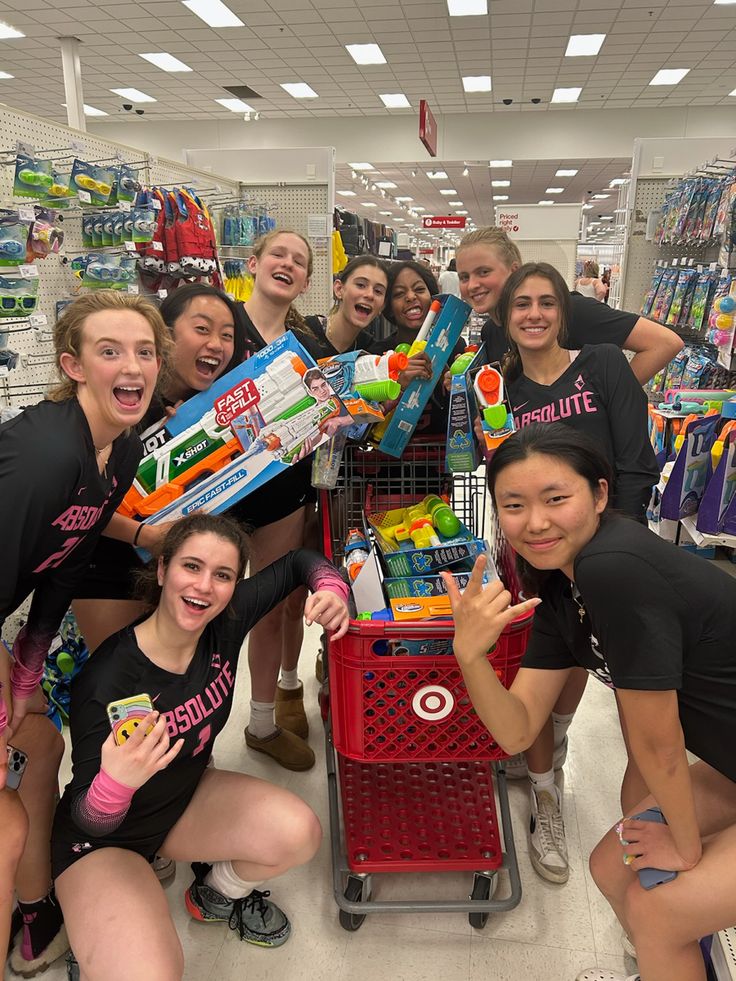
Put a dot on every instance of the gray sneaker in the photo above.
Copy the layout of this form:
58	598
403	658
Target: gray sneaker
547	845
256	920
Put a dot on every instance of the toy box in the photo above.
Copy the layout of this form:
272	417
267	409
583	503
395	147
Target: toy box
461	449
249	426
692	468
424	597
441	338
363	380
720	488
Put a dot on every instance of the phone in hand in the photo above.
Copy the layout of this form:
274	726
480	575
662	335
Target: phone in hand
17	762
649	878
127	714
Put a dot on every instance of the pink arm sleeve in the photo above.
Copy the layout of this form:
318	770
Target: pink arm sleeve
29	654
104	806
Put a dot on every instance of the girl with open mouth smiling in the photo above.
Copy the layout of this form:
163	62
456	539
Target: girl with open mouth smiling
360	295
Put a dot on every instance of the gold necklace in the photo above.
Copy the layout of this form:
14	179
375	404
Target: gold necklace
576	601
98	453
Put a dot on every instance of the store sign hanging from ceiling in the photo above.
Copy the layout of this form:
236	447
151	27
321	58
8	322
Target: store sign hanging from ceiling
444	221
427	128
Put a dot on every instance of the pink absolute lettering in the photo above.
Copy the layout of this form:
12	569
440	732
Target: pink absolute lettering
195	710
579	404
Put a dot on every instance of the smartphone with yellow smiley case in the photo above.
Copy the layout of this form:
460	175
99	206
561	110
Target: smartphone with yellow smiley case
127	714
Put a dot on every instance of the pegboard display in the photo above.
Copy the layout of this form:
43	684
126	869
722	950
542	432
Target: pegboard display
295	205
641	255
561	254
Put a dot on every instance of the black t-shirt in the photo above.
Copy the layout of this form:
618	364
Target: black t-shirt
196	705
591	322
598	395
54	504
657	618
318	336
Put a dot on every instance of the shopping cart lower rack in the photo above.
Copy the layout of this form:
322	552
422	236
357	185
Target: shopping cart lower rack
415	780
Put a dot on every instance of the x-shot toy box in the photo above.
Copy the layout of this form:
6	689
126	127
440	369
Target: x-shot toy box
441	335
247	428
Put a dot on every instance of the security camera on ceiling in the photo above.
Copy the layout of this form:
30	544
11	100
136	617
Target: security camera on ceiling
507	102
127	106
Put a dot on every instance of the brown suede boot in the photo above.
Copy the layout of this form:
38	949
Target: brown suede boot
284	747
289	711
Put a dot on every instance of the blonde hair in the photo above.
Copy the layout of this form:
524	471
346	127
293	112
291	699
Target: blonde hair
69	331
591	269
495	238
294	319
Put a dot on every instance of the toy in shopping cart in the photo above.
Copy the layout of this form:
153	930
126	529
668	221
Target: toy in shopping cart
497	418
439	334
363	380
356	552
461	449
425	597
249	426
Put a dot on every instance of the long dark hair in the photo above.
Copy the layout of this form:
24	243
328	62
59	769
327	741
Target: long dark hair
559	442
179	299
512	367
147	588
395	269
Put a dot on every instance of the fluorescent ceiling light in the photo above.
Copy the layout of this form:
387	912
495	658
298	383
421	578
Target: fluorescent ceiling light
734	91
566	95
546	202
455	204
387	213
361	166
465	172
500	197
669	76
448	191
368	204
88	110
571	173
555	190
606	217
500	183
166	62
7	32
6	75
600	197
395	100
477	83
385	184
461	212
587	207
467	8
500	163
366	54
214	13
582	45
618	181
347	194
417	208
235	105
437	175
398	218
403	199
133	95
299	90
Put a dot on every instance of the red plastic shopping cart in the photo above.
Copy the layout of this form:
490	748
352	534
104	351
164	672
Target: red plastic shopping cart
414	778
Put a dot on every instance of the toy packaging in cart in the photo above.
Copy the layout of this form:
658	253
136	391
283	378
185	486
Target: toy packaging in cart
249	426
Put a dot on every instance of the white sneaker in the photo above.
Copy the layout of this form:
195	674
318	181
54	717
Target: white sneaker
516	768
547	845
596	974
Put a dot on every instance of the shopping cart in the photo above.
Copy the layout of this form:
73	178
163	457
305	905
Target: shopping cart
413	774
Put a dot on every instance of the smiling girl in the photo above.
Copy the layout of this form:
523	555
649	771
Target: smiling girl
360	294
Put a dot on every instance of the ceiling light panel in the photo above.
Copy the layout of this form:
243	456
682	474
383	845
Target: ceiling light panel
437	175
448	191
669	76
214	13
566	95
477	83
7	32
133	95
166	62
554	190
500	163
386	185
361	166
500	183
395	100
584	45
500	197
467	8
299	90
568	173
366	54
347	194
235	105
6	75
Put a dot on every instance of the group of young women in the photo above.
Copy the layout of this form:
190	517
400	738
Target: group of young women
157	795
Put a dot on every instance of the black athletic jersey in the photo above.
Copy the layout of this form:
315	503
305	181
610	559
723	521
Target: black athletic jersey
591	322
319	341
599	395
54	504
657	618
196	705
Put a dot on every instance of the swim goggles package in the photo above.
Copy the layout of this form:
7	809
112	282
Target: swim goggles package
107	272
46	235
143	224
18	297
128	185
93	181
13	239
60	193
33	177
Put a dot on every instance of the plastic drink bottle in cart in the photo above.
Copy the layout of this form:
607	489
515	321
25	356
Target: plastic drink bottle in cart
326	462
356	552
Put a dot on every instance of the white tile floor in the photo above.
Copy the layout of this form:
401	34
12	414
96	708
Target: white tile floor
554	933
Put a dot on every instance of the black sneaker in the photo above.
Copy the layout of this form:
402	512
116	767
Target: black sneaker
72	967
256	920
44	937
16	925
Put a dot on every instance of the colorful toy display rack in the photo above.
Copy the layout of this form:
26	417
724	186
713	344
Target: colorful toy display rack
410	765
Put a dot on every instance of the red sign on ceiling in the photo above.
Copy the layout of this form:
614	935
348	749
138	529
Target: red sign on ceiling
444	221
427	128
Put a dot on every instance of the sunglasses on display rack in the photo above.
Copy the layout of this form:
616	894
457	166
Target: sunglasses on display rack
20	306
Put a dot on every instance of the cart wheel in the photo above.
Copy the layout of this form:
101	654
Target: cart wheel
353	893
484	886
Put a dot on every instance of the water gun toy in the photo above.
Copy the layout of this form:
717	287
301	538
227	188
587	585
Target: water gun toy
495	411
463	361
376	376
424	523
356	552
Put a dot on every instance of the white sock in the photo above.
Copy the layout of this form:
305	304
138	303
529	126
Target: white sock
543	781
223	878
289	680
261	719
561	723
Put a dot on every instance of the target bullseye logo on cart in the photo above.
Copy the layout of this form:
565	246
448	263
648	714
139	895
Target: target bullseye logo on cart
433	703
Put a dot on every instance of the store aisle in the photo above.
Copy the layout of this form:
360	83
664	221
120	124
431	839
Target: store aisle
553	934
